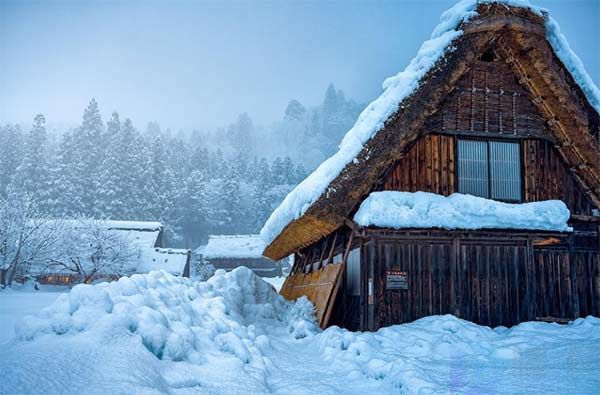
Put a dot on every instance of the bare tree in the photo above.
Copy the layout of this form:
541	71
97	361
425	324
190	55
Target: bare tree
89	249
26	238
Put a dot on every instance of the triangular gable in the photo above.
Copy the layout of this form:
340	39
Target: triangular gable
520	35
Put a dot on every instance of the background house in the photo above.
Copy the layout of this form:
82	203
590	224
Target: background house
142	240
228	252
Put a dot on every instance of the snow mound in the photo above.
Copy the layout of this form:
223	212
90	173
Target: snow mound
444	354
159	334
398	210
175	318
398	88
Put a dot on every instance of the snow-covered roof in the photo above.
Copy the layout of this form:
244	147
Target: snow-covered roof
171	260
134	225
140	233
237	246
399	210
400	87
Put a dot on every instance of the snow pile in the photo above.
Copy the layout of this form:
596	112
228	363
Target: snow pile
398	88
398	210
174	318
159	334
236	246
444	354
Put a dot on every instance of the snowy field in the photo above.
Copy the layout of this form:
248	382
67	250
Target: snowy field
14	305
159	334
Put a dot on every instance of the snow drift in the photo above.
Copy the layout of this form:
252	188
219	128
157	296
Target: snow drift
233	334
174	317
397	210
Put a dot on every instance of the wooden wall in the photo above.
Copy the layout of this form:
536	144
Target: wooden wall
430	166
545	176
491	280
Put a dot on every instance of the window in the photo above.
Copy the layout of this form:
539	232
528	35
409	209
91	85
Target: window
489	169
353	272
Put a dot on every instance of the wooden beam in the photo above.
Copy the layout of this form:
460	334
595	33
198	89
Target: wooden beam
333	294
585	218
332	250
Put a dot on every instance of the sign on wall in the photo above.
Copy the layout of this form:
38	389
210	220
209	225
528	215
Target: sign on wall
396	279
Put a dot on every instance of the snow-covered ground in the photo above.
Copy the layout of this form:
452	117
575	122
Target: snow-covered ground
233	334
15	305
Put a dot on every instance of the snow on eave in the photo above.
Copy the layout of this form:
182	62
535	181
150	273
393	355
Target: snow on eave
395	90
424	210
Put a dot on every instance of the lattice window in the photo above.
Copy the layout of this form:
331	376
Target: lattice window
473	172
505	170
489	169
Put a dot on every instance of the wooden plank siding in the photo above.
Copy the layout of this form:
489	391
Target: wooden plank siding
488	280
545	176
430	166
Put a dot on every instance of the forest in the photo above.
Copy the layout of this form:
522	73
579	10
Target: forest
223	181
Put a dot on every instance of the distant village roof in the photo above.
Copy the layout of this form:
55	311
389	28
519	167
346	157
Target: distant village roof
237	246
140	233
320	203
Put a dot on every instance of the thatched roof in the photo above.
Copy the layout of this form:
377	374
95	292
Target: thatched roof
530	42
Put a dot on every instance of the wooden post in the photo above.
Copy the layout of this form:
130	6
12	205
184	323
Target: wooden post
371	285
573	271
530	277
332	250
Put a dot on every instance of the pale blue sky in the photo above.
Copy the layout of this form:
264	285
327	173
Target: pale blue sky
199	64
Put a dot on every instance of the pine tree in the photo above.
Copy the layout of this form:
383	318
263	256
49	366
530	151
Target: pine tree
30	177
295	111
67	186
11	155
161	179
110	192
232	216
278	172
87	155
287	171
261	196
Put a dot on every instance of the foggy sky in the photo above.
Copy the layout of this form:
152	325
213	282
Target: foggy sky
199	64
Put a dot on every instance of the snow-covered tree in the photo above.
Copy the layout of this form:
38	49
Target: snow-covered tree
90	249
30	176
26	237
11	154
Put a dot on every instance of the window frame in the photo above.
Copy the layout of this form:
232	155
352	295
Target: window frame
489	167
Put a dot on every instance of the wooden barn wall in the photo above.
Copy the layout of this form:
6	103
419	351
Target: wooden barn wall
545	176
490	282
430	166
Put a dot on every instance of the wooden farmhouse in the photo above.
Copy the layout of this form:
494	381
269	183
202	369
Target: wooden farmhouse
470	187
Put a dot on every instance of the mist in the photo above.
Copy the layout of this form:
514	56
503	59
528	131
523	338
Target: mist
198	65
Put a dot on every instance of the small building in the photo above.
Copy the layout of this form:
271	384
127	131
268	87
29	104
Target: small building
228	252
471	186
147	240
